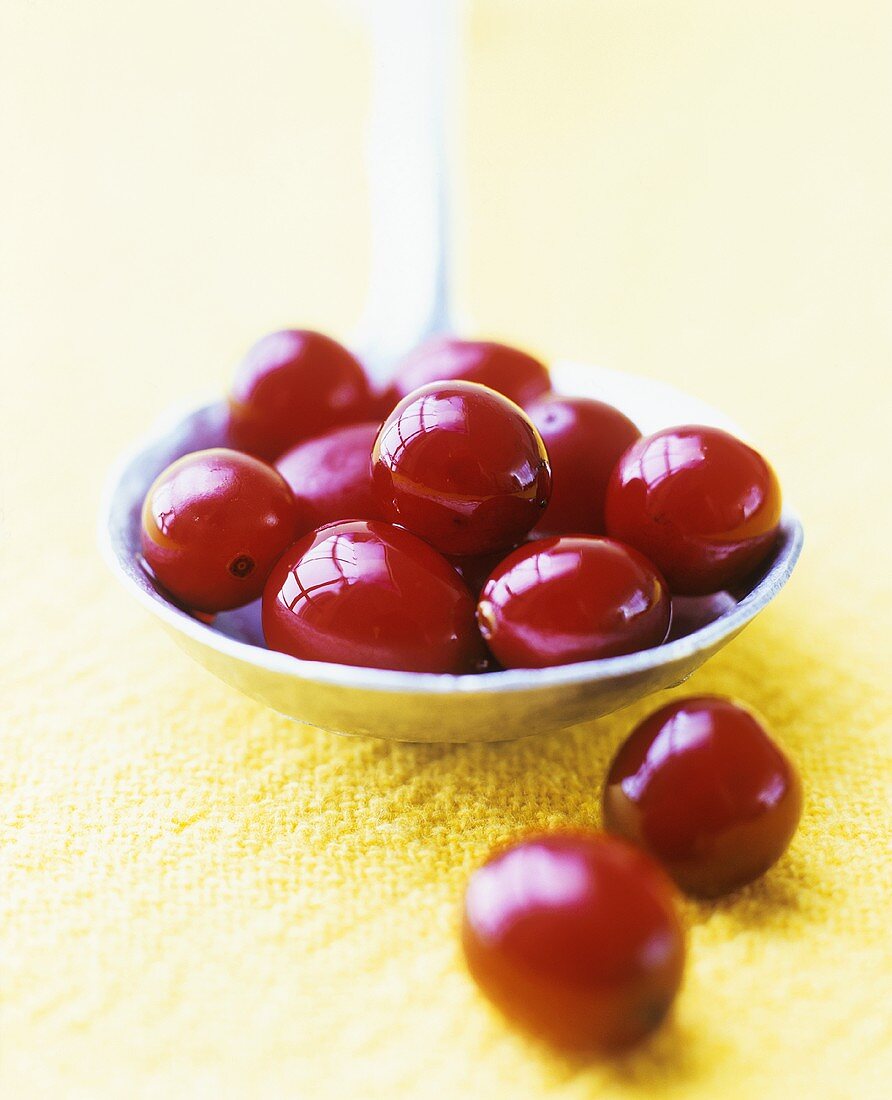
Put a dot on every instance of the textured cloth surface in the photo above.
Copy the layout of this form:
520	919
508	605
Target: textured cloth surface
202	899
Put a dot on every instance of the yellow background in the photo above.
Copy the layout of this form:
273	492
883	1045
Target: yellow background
201	899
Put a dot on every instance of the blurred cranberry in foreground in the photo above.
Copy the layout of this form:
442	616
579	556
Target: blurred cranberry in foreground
574	936
462	467
576	598
370	594
584	440
702	787
292	385
702	505
213	524
382	404
504	369
331	475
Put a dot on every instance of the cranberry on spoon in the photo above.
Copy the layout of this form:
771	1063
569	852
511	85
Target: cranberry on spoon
584	439
331	475
373	595
507	370
292	385
575	598
462	467
213	524
702	505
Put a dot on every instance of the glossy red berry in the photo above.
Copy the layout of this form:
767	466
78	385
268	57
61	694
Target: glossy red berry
292	385
692	613
331	475
462	467
504	369
584	440
370	594
213	525
575	598
574	936
702	787
703	506
475	572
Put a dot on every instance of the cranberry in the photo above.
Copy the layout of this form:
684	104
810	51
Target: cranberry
475	572
504	369
693	613
370	594
574	935
575	598
331	475
703	506
292	385
584	440
213	525
703	788
462	467
383	402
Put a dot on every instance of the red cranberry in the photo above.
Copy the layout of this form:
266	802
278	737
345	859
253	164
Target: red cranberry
370	594
702	787
584	440
213	525
703	506
574	935
693	613
504	369
331	475
475	572
561	600
462	467
292	385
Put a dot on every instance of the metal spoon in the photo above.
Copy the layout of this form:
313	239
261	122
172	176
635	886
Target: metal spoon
409	301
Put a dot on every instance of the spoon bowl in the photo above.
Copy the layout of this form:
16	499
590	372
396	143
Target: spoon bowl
423	707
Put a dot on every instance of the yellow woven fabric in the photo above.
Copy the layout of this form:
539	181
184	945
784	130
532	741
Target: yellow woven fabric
202	899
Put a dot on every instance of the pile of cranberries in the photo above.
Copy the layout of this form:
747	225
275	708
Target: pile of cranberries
575	934
467	519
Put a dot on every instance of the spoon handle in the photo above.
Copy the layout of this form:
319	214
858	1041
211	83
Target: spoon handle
412	57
